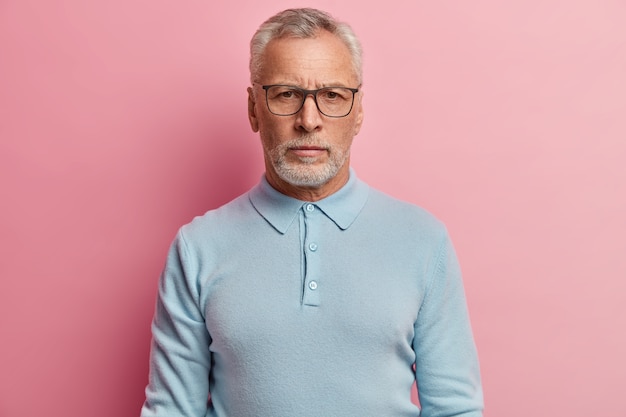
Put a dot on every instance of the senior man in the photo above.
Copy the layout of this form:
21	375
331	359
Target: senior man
312	294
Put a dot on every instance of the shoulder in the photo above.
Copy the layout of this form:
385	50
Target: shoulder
393	212
219	221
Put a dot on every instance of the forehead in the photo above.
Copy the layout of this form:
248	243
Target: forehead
309	62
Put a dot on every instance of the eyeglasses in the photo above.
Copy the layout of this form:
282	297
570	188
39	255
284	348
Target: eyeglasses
287	100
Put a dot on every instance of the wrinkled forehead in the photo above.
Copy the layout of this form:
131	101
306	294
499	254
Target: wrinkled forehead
323	58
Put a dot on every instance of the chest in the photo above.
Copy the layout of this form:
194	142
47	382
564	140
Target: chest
316	282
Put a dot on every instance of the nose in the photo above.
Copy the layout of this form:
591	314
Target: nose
309	118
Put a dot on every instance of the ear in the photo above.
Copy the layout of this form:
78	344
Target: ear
359	114
254	122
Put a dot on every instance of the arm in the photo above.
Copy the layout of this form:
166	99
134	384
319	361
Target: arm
179	357
446	366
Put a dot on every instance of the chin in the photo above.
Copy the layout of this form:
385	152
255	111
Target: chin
310	177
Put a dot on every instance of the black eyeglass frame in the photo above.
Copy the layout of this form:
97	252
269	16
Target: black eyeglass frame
305	94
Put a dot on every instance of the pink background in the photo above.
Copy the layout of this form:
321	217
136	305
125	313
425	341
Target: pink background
121	120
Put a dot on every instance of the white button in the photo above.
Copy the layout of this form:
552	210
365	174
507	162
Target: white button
313	247
310	207
313	285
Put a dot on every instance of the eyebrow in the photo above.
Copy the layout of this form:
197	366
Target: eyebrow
317	86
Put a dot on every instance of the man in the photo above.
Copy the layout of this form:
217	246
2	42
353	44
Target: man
312	294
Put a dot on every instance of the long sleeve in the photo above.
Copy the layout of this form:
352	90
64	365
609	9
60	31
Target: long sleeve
447	369
179	359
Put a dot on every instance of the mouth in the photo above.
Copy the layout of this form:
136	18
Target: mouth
308	151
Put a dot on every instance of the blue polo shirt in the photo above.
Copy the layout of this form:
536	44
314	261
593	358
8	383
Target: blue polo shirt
276	307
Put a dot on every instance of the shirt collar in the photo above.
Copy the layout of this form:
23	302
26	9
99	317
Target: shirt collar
280	210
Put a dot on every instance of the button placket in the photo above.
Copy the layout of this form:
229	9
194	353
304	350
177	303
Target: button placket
311	247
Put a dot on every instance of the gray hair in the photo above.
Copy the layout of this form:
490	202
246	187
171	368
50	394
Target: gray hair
302	23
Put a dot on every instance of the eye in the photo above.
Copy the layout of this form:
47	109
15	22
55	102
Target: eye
284	93
334	94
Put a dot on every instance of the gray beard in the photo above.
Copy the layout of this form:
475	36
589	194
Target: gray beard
304	173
